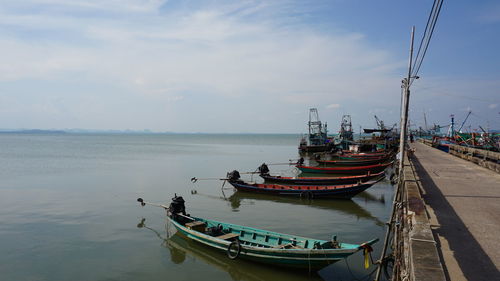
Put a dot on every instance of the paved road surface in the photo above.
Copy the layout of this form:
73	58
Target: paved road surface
465	211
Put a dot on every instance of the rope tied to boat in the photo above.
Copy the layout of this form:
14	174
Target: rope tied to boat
367	253
364	278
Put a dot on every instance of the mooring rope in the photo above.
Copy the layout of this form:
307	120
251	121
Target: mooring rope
366	277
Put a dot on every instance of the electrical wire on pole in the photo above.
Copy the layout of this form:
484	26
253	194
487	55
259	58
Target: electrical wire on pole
426	38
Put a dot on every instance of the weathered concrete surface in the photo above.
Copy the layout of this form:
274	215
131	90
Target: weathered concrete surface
465	200
423	254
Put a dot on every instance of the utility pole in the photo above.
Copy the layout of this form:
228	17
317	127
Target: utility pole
402	141
425	122
406	102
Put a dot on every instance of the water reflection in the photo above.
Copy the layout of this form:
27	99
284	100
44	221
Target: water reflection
347	206
368	197
180	247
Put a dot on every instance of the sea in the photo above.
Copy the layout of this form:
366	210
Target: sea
69	210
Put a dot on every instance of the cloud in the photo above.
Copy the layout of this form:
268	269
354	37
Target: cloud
205	48
175	99
333	106
492	105
150	53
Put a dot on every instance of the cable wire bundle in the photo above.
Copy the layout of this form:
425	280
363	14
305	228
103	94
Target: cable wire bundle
426	38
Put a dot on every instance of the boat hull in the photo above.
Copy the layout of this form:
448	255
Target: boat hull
322	180
299	258
315	148
306	191
360	155
352	162
345	170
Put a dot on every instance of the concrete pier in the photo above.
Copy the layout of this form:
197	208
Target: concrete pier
463	204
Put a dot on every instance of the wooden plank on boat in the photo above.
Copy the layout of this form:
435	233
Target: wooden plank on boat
196	226
228	236
288	246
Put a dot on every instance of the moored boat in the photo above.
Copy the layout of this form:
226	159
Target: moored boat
356	170
322	180
356	162
306	191
350	155
353	156
256	244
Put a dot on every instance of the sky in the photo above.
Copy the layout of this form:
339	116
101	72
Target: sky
242	66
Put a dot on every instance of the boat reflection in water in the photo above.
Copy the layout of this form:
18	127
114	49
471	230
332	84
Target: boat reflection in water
345	206
181	249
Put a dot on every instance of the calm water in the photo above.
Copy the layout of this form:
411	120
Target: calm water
68	207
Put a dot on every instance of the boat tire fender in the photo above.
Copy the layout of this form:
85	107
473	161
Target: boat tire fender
233	255
394	178
306	195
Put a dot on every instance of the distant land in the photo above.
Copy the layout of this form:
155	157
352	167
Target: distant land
32	131
146	131
142	132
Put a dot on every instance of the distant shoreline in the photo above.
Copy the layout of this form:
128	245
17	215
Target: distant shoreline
144	132
126	132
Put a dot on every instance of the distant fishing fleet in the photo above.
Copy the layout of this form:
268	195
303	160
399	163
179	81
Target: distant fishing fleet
329	168
480	138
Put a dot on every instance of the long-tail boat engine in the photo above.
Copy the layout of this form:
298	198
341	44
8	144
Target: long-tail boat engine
234	176
177	208
263	169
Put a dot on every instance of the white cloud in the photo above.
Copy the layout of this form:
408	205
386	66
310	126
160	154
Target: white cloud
175	99
333	106
204	47
207	53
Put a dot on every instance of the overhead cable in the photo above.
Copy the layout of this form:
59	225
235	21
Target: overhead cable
426	38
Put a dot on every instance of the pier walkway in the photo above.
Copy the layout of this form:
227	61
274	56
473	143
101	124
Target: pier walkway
463	201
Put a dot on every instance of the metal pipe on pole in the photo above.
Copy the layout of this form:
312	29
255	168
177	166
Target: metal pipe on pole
402	140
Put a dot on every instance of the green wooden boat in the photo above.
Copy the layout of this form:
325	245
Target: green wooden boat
258	245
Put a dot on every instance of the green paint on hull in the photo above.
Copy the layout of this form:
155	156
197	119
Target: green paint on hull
272	247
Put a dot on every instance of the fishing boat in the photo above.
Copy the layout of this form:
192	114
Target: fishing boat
317	139
263	171
322	180
353	156
356	170
356	162
306	191
258	245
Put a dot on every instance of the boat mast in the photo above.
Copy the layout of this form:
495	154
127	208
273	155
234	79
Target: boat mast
317	133
463	123
346	128
451	129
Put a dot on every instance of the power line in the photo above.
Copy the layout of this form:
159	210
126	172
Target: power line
430	36
426	38
425	32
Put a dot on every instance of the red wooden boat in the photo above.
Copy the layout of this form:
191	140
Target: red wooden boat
322	180
375	168
306	191
356	162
